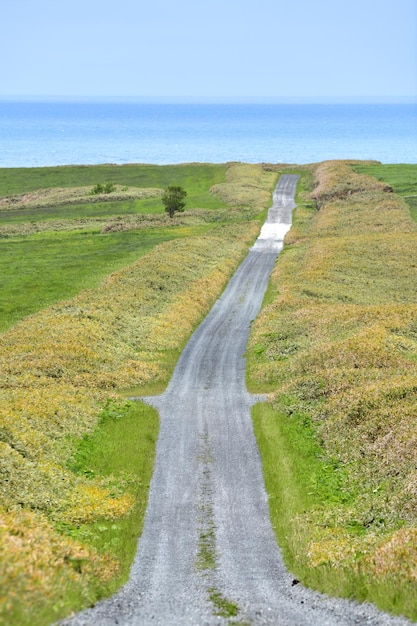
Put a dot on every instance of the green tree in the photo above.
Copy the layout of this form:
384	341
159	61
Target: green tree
173	199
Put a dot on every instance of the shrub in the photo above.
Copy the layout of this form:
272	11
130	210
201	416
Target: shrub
108	187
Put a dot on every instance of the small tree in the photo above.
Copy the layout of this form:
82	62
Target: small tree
173	199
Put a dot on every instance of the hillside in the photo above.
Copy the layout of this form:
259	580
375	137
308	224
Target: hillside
336	347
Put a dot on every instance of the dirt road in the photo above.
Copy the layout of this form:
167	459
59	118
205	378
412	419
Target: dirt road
208	554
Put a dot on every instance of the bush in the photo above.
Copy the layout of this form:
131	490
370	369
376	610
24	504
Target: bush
108	187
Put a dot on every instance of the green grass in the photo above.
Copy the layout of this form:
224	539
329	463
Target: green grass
412	203
196	178
402	178
120	450
303	479
81	211
223	606
42	269
108	208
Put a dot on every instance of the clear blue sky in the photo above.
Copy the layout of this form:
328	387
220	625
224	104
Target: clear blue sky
286	50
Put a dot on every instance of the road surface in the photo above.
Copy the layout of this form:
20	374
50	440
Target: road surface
208	554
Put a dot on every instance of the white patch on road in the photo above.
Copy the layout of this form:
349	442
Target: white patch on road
271	237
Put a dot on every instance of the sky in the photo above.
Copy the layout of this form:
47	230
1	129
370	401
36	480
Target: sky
292	50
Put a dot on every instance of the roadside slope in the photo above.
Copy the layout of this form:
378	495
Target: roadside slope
336	347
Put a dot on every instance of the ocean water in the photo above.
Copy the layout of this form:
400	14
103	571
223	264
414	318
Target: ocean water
62	133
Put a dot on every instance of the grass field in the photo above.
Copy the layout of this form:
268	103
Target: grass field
336	348
197	178
97	302
101	295
52	248
51	252
402	178
43	268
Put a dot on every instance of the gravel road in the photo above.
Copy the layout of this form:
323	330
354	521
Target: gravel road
208	548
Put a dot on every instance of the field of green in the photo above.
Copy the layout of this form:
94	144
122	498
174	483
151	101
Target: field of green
55	243
99	295
402	178
336	348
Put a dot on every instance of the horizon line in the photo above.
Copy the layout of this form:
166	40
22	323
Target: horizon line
211	99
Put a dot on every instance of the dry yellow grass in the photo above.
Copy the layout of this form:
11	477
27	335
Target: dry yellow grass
246	186
336	179
75	195
338	345
38	564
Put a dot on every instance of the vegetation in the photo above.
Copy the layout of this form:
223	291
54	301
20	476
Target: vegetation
32	279
223	606
336	347
174	199
402	178
197	178
108	187
75	456
91	236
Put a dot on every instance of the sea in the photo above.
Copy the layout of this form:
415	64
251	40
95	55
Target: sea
45	133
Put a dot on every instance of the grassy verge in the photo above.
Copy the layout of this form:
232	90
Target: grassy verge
335	345
75	458
52	563
59	367
305	488
121	449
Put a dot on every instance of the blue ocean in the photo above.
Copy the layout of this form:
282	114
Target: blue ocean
61	133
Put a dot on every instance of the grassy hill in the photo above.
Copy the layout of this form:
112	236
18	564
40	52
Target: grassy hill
336	347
